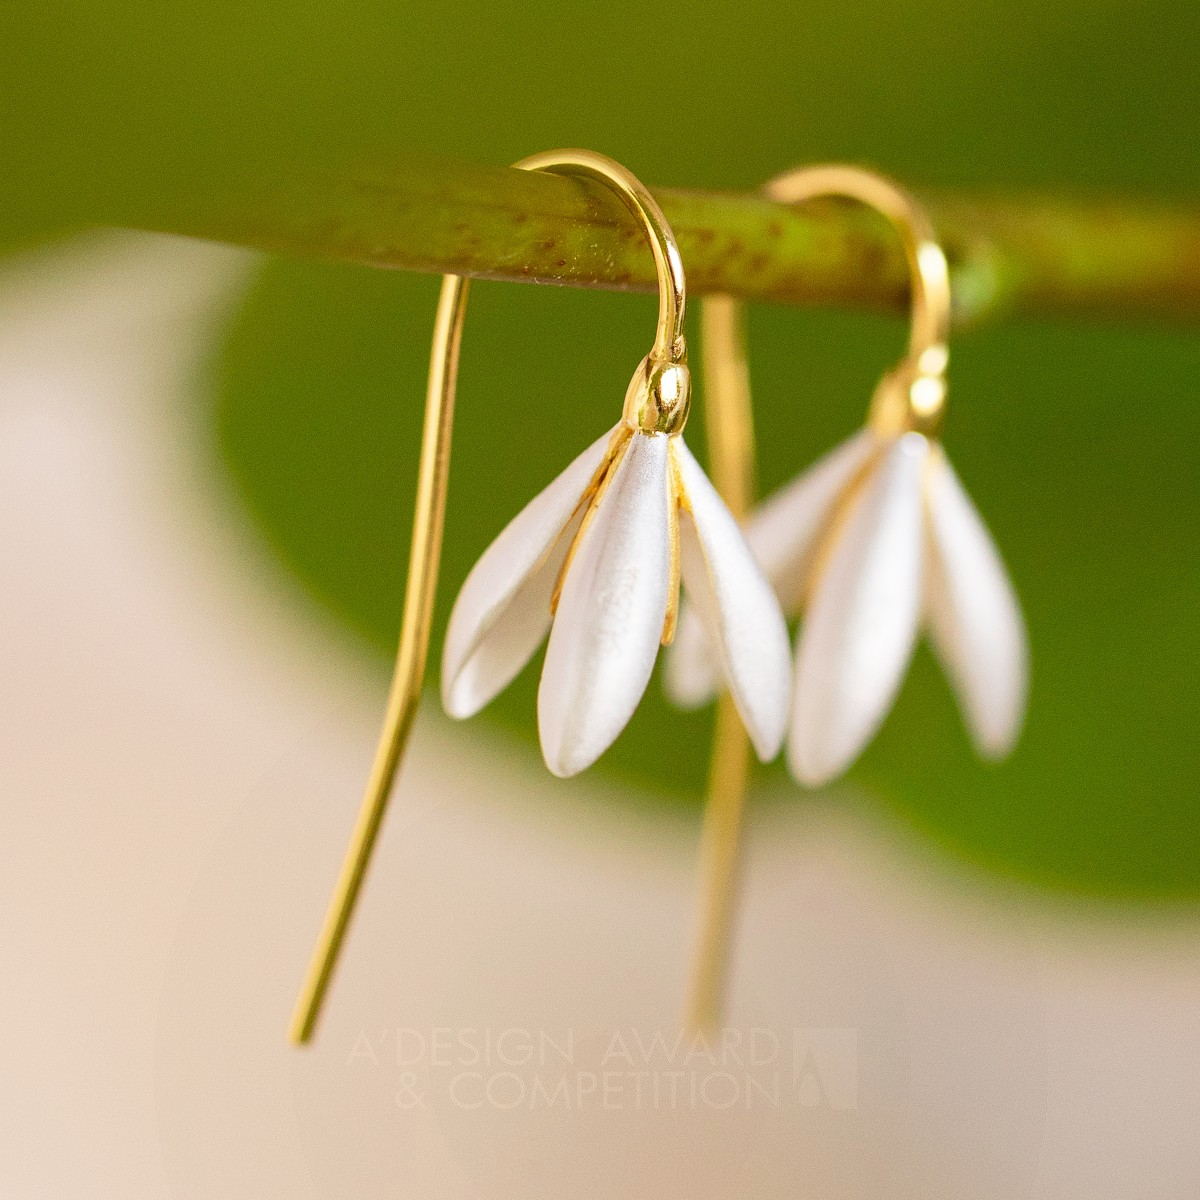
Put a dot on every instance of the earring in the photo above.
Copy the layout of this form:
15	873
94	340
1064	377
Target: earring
872	538
596	560
877	537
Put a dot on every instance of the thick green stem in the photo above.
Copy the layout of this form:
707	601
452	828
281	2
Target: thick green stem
1009	255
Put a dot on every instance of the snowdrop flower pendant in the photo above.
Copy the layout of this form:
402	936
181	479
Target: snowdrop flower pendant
596	560
879	538
601	552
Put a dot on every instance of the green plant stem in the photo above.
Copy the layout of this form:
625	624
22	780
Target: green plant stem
1010	255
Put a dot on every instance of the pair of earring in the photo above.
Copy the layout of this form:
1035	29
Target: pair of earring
875	538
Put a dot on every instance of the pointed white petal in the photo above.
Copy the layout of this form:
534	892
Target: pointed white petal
738	609
785	529
782	534
503	611
862	617
692	671
974	618
606	634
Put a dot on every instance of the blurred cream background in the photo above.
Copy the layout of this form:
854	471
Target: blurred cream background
182	746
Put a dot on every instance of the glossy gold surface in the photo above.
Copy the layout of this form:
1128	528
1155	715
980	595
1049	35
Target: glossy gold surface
730	428
912	395
405	692
659	397
678	500
668	340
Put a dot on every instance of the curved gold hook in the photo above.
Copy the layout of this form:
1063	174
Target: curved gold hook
668	339
926	259
913	394
667	371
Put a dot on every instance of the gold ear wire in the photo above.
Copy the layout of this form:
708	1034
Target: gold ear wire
665	401
912	394
930	302
405	693
729	429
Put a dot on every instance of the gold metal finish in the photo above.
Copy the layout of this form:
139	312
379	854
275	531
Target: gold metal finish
913	394
405	692
668	339
728	421
720	867
663	402
659	397
729	417
676	500
730	430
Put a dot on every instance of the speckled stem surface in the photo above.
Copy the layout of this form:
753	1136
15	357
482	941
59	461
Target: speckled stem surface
1010	255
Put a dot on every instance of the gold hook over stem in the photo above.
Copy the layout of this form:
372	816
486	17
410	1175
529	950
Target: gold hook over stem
668	339
929	271
913	394
669	353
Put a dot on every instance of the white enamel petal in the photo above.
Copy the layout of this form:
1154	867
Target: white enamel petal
503	611
862	618
974	618
785	529
781	534
738	609
692	672
606	633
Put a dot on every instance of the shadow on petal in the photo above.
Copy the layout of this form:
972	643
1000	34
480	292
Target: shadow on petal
605	637
503	610
974	617
862	617
784	531
745	628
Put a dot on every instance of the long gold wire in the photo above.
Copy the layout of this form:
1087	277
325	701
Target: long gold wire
730	430
428	521
405	692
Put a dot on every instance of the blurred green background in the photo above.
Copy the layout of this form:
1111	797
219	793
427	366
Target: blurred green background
1076	441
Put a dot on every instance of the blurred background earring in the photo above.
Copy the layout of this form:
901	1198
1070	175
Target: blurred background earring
875	538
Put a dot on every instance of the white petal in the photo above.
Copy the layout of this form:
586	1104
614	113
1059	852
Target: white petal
785	529
974	618
503	611
862	617
610	617
692	672
782	534
738	609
